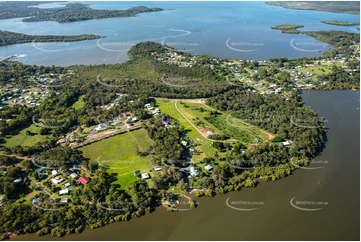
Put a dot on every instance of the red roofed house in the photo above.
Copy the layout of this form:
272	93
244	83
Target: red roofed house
83	180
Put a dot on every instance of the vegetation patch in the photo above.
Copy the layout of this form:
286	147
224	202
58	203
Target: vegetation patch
288	28
341	23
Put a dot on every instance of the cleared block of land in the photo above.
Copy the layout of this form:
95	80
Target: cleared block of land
23	139
118	155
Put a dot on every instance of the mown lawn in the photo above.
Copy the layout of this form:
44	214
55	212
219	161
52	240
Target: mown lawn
25	140
118	154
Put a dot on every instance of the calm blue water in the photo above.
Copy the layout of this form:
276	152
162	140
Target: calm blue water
223	29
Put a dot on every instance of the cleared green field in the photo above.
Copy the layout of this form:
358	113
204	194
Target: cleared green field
118	153
223	123
79	104
168	107
25	140
316	69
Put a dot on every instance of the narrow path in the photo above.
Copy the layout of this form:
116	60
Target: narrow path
136	141
223	141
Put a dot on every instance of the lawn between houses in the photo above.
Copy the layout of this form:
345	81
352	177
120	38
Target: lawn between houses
118	153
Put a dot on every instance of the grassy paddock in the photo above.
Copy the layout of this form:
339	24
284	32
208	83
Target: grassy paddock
204	147
25	140
118	153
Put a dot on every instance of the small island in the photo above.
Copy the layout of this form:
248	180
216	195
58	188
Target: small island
10	38
288	28
340	23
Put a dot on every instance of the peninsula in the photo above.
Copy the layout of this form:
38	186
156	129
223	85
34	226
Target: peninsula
71	12
9	38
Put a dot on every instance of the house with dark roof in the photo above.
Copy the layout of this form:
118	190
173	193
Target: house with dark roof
40	170
83	180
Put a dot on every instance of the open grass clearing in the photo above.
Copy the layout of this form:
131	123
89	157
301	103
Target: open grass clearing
118	155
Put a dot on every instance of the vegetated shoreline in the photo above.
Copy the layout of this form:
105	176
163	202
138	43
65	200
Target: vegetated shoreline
10	38
323	6
340	23
288	28
70	12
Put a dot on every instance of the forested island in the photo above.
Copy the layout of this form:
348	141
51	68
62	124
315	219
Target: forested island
189	123
340	23
288	28
352	7
71	12
9	38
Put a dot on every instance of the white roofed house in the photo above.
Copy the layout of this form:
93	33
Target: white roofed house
57	180
145	176
208	167
100	126
286	143
193	171
54	172
157	168
64	192
73	175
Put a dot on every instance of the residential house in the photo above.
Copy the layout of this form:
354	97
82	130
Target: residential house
145	176
100	126
208	167
56	180
63	192
73	175
64	201
193	171
40	170
83	180
286	143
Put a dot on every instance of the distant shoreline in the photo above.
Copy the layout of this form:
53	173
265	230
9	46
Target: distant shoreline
319	6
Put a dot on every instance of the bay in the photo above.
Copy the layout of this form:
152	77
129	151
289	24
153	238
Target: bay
223	29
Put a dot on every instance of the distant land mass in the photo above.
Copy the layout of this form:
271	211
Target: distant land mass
9	38
340	23
71	12
352	7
